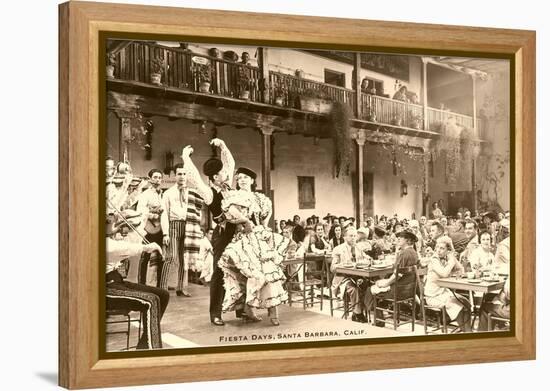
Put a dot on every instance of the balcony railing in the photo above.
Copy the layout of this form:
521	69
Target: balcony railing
289	88
181	71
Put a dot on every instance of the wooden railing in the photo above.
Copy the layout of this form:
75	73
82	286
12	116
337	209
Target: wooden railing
180	71
289	88
391	112
134	63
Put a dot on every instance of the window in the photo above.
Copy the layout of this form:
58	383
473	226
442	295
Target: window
373	86
306	192
335	78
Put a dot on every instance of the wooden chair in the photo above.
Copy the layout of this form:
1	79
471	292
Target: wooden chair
113	313
120	312
313	277
439	312
397	300
493	318
343	303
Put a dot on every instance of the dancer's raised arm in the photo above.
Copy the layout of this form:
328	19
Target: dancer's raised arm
194	179
226	158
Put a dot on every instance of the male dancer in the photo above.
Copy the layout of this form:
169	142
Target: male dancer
220	173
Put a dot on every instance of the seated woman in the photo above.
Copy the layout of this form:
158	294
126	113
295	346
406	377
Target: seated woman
444	264
318	242
384	288
251	262
335	235
481	259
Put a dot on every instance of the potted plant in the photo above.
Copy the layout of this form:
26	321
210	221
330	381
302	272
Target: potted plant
111	61
371	114
244	83
315	100
279	93
397	119
416	121
204	73
157	67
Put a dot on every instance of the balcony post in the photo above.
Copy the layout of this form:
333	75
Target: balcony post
266	133
426	184
425	92
357	109
263	65
124	138
360	140
474	108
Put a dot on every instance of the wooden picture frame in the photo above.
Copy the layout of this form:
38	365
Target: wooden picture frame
80	362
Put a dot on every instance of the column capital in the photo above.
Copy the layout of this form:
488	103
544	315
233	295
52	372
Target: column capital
265	130
361	137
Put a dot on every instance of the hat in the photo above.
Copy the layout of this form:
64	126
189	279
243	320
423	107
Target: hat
246	171
407	235
328	216
379	231
364	231
212	166
492	215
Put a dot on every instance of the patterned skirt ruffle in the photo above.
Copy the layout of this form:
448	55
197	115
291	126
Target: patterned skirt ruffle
252	270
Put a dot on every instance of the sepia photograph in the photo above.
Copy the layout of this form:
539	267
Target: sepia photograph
259	195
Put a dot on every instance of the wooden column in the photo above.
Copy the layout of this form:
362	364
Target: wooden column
426	183
357	85
425	92
124	138
360	140
476	135
265	85
266	160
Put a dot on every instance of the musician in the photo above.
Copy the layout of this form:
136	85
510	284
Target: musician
181	231
220	174
150	205
124	295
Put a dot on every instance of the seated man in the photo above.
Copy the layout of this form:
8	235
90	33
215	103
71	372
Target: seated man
349	253
384	288
499	306
124	295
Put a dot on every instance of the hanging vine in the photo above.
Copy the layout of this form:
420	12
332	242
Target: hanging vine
340	117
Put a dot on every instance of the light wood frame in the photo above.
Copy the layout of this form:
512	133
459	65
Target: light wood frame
79	362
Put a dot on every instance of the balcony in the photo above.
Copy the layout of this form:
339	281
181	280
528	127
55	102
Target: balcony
281	91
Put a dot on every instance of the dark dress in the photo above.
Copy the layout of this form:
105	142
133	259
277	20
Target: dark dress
222	236
406	282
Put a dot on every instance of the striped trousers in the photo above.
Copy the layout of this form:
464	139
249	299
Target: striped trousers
174	256
150	301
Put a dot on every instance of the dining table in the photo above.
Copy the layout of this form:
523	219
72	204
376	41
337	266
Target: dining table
480	285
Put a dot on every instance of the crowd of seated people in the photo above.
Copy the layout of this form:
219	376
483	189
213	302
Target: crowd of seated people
445	245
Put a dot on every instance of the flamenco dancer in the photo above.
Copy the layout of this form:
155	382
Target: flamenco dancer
253	276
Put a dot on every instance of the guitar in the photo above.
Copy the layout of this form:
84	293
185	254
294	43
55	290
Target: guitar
152	226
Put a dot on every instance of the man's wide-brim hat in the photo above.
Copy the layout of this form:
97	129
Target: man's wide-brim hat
246	171
328	216
379	231
212	166
407	235
492	215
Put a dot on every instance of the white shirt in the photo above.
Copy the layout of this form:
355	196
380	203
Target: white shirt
175	206
119	250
